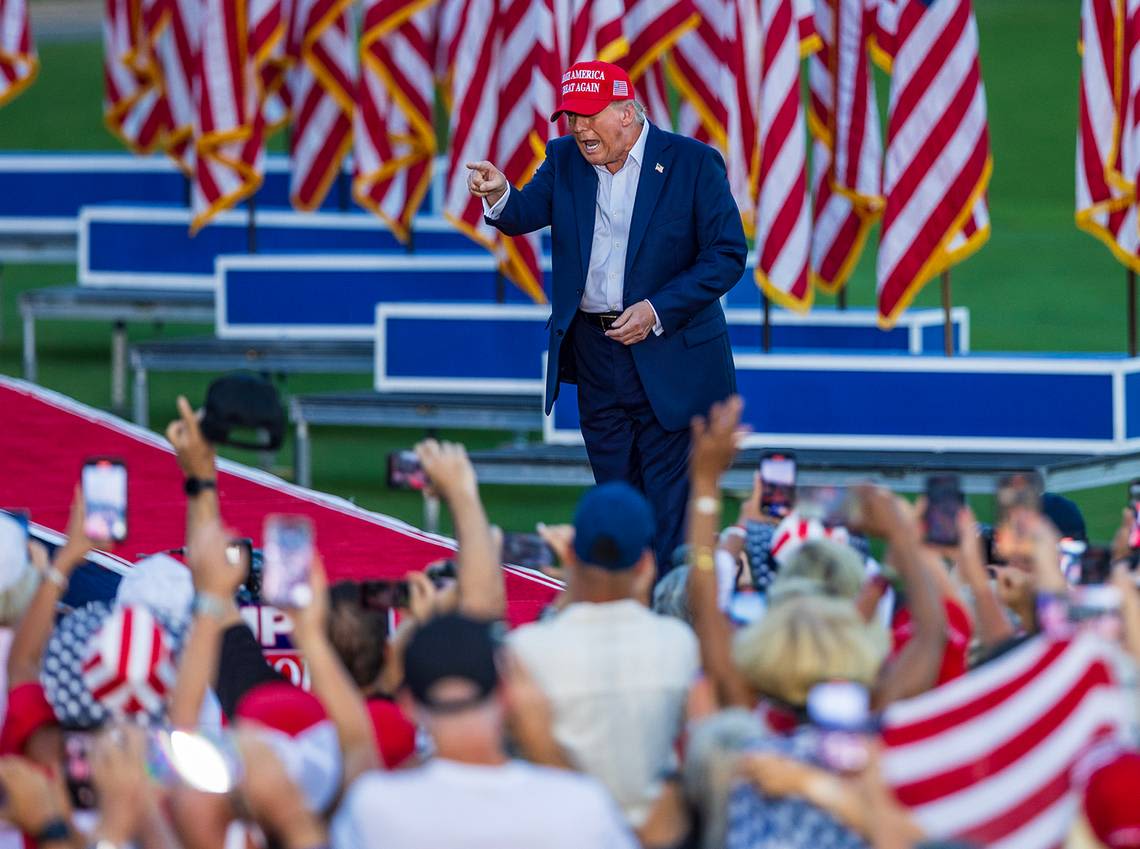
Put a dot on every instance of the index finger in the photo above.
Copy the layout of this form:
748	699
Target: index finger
189	417
481	165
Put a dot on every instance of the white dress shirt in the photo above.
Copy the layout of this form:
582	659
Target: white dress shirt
613	211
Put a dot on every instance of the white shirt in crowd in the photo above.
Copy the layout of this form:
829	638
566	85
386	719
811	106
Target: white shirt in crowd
605	278
445	804
617	676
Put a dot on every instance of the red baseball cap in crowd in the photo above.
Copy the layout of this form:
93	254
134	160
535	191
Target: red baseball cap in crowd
1111	802
589	87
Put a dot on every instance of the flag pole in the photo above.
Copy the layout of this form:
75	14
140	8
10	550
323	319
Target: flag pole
766	338
841	298
251	226
1131	313
947	322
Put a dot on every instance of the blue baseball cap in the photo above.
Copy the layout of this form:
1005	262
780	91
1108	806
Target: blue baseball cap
613	526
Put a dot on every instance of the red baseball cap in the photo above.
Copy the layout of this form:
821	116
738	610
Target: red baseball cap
589	87
1111	802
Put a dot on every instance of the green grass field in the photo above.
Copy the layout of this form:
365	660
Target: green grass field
1039	285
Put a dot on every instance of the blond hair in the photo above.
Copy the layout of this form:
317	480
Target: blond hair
805	641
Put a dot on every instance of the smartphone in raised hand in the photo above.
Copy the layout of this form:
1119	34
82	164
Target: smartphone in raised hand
287	561
104	485
778	476
944	499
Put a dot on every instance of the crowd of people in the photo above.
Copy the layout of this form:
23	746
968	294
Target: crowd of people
732	697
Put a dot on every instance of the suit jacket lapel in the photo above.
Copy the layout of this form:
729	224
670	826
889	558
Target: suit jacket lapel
584	186
649	185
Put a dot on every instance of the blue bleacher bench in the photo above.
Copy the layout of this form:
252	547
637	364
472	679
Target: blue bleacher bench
927	403
409	356
334	296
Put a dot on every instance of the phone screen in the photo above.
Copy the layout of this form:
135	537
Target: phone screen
943	501
778	474
239	554
77	768
105	500
288	560
529	551
834	506
405	471
1134	503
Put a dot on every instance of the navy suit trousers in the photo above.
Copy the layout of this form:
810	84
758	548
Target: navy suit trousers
624	440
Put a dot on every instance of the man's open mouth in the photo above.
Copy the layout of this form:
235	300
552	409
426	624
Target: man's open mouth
591	145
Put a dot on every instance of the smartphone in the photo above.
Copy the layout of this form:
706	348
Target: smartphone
778	475
944	500
104	483
405	471
239	554
834	506
1093	608
841	717
288	561
385	595
529	551
1096	565
441	572
1134	503
77	746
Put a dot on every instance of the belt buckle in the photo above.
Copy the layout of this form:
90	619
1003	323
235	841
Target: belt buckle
606	320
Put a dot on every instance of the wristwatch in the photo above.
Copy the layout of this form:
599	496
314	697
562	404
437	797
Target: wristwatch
209	605
194	486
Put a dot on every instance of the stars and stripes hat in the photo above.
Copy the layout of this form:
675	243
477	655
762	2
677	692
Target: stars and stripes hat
589	87
104	662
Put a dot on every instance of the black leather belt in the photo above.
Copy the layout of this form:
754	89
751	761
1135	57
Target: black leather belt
604	320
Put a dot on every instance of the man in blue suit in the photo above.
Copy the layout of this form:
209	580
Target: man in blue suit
646	238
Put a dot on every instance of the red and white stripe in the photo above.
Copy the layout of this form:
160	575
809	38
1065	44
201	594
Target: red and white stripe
394	135
701	68
989	758
1108	142
586	30
653	92
783	212
128	666
176	48
322	91
528	82
135	108
18	61
937	164
467	49
651	27
240	39
848	150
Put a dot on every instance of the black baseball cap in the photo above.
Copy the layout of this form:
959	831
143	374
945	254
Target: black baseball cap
451	646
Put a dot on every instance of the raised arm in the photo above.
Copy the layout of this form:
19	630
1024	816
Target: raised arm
34	630
524	210
197	460
714	447
482	593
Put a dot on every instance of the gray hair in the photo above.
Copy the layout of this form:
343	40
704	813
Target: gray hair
671	595
638	109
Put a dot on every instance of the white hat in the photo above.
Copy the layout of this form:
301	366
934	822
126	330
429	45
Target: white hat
13	551
162	584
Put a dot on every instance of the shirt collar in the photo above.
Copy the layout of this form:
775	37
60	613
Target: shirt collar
636	153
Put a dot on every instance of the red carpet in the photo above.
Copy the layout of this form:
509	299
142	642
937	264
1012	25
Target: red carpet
45	437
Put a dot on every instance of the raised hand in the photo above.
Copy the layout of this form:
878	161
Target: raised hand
486	181
715	440
195	454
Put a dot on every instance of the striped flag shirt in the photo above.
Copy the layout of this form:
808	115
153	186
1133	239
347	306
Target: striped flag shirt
18	62
937	165
989	758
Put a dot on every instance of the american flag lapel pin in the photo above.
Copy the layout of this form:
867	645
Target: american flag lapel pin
660	168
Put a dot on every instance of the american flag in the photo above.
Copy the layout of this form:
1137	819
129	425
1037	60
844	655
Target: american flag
18	61
1108	153
240	39
177	46
653	92
322	92
586	30
783	211
527	87
135	107
394	137
651	27
989	757
847	151
701	69
938	164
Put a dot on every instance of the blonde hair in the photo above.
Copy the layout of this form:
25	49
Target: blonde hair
805	641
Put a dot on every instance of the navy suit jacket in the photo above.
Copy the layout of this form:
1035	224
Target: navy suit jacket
686	248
